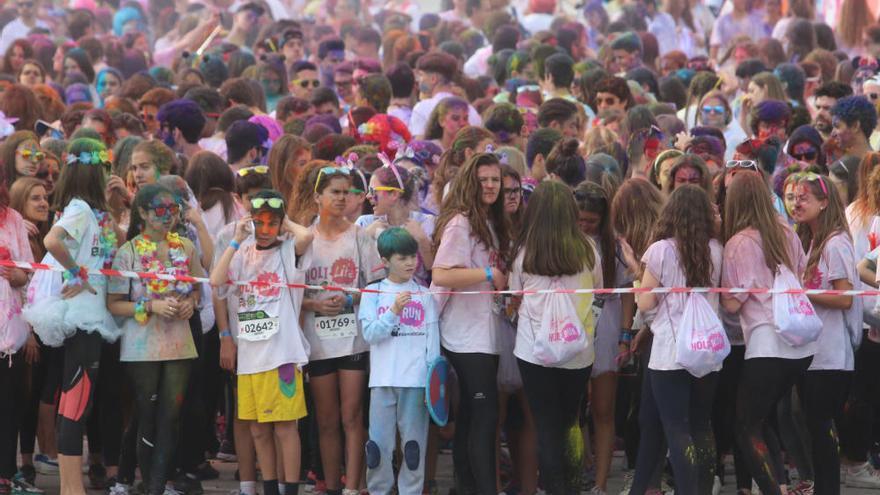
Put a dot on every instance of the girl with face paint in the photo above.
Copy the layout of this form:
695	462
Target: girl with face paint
341	254
831	264
157	345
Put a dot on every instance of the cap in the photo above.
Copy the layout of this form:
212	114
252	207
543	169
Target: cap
240	5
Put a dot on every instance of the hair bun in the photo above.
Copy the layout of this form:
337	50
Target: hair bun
570	146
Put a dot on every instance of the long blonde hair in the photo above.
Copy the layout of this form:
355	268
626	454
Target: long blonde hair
854	17
747	205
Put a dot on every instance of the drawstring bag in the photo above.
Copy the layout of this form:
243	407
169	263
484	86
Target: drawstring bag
562	335
794	316
701	344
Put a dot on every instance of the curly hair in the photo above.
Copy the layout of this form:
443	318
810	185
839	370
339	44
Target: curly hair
687	218
852	109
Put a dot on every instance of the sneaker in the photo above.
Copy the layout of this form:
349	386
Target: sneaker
28	473
171	491
5	487
188	484
346	491
596	491
716	485
207	472
226	452
98	477
20	486
804	487
627	481
755	489
863	476
119	489
45	466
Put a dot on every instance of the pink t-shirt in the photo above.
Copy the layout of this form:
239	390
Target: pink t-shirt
661	260
467	323
744	267
838	262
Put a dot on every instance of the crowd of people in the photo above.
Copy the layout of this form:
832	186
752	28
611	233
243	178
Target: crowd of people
459	174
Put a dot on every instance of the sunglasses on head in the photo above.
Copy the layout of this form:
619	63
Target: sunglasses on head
274	203
812	177
304	83
330	171
752	164
258	169
713	109
166	210
806	155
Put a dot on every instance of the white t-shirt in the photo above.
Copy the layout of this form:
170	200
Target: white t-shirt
350	260
537	22
401	346
418	121
267	306
17	29
838	262
862	233
467	323
531	309
662	261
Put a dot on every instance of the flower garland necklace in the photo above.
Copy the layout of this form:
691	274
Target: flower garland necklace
107	238
179	266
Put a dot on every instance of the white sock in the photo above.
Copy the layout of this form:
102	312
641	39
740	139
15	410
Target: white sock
281	487
248	487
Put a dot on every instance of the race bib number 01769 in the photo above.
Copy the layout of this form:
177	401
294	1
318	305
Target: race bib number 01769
341	326
255	326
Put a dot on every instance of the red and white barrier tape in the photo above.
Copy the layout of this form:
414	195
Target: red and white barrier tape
625	290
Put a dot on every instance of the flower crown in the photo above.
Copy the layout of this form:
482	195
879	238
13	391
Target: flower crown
90	158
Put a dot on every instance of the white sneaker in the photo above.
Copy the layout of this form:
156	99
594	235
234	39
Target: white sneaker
627	481
119	489
755	489
45	466
863	476
346	491
596	491
716	486
169	490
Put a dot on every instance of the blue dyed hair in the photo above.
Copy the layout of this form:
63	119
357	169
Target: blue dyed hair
769	111
185	115
396	240
854	109
125	15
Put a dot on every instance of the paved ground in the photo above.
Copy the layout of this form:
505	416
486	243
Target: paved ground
226	484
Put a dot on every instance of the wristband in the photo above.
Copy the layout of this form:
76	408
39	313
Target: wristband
349	301
626	337
140	311
489	276
234	245
73	277
225	333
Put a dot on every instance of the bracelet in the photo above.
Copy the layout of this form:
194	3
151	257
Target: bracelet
234	245
73	277
140	311
489	276
225	333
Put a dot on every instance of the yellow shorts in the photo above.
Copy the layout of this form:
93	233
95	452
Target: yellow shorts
272	396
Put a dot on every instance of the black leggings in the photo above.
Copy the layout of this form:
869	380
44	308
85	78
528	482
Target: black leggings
554	396
473	452
82	354
159	389
764	381
11	412
680	407
724	418
857	434
823	394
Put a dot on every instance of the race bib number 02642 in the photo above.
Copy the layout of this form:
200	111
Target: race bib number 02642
256	326
341	326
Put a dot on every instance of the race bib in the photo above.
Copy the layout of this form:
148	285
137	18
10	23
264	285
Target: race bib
341	326
255	326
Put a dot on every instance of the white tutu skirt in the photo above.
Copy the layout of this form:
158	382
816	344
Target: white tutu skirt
55	319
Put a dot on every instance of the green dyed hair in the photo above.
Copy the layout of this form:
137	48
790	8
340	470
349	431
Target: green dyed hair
396	240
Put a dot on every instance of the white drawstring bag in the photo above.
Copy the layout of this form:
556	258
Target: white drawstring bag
701	344
794	316
562	335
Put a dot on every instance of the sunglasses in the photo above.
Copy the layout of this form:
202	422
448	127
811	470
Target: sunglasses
713	109
32	154
330	171
274	203
164	211
258	169
752	164
513	191
374	190
806	155
304	83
